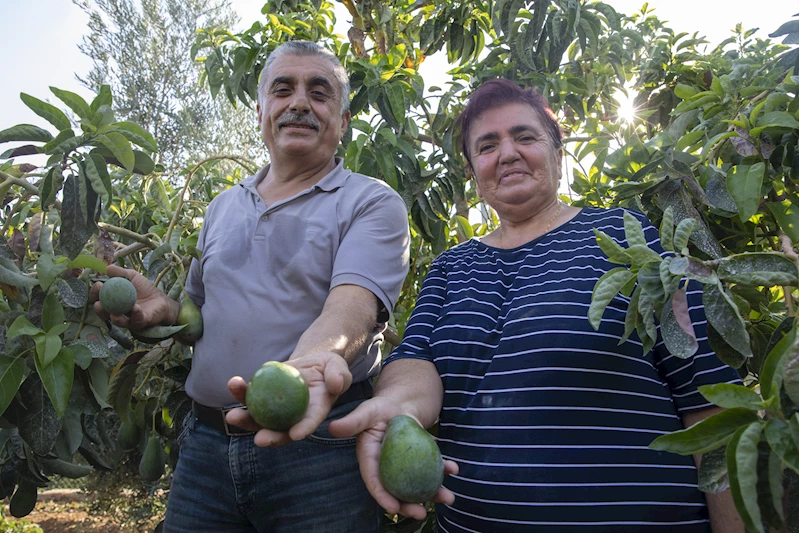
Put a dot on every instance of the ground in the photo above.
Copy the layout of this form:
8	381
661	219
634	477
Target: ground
65	511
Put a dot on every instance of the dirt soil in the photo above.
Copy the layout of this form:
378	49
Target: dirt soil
64	511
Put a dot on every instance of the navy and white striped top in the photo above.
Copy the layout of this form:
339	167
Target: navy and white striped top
549	420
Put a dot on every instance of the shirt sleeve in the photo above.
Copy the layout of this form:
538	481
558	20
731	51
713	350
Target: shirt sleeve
416	339
684	376
374	252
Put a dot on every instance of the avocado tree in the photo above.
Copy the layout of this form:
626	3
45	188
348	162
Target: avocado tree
67	376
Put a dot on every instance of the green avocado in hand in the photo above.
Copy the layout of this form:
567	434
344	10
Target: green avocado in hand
277	396
411	467
117	296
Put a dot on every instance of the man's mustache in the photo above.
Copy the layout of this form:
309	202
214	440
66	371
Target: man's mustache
292	117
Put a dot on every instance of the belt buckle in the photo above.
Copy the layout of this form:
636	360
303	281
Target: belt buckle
230	429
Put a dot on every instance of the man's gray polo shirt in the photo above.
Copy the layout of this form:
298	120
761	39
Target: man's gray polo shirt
266	271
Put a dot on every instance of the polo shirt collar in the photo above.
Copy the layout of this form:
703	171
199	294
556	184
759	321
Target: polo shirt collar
332	181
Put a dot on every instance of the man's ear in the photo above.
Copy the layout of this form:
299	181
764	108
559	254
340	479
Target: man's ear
345	122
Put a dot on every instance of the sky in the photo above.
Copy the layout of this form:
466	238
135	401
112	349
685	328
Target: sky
39	41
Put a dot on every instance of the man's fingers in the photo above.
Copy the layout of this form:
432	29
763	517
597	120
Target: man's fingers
360	419
450	467
269	438
337	376
413	510
238	389
242	419
94	292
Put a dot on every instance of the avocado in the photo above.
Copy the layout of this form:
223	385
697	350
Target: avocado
411	467
277	396
117	296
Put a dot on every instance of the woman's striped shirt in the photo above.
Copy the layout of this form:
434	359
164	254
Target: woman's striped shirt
549	420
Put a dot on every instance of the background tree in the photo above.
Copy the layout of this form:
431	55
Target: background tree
140	48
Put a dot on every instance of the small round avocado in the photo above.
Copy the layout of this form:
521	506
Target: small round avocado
117	296
277	396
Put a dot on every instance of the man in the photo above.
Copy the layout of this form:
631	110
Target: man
302	262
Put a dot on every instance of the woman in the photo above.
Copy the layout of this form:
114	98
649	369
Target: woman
547	421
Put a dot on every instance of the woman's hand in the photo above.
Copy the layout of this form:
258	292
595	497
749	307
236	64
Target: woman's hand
152	306
369	422
327	376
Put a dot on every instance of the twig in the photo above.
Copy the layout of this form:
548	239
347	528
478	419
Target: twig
790	253
129	249
129	234
240	160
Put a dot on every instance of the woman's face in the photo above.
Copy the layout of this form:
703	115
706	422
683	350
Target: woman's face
516	166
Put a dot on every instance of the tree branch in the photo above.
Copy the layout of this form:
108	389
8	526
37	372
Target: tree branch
240	160
132	235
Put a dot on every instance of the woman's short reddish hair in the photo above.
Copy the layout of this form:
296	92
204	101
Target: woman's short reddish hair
496	93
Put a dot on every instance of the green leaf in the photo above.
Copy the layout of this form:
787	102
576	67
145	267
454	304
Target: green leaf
791	377
396	100
730	396
157	192
120	147
775	119
725	318
787	215
88	261
676	327
25	132
75	102
757	269
633	231
744	183
48	269
57	378
101	187
667	230
387	169
103	98
712	475
769	485
81	354
12	370
709	434
684	91
52	313
683	232
771	375
604	293
726	353
463	228
778	435
50	186
75	216
48	112
15	279
134	133
40	425
641	254
742	456
22	326
47	348
616	254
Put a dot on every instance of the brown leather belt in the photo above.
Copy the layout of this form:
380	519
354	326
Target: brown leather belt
215	417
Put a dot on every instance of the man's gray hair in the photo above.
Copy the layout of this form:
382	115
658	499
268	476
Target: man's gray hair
307	48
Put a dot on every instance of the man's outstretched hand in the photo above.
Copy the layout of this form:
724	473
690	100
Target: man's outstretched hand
152	306
369	422
327	375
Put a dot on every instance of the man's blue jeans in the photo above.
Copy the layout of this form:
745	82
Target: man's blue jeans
228	485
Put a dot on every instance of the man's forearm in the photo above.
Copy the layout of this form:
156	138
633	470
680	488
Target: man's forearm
724	517
415	387
349	315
